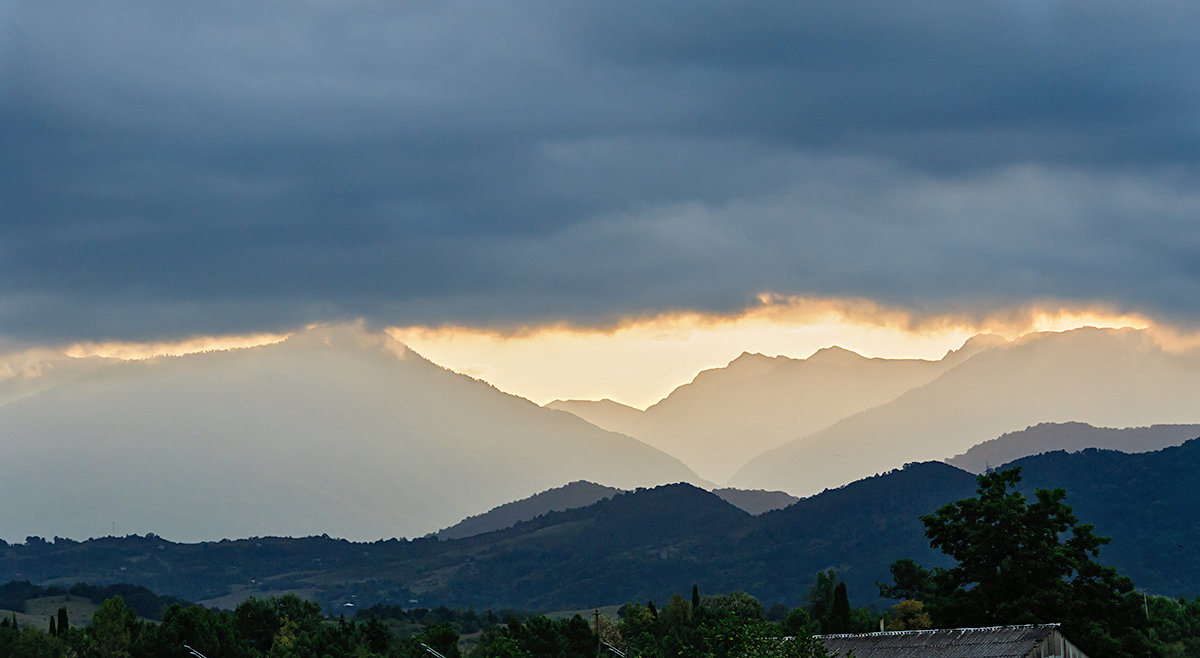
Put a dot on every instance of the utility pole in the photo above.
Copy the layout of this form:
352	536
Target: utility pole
599	642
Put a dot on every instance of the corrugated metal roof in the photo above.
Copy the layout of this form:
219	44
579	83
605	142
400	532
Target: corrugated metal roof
992	642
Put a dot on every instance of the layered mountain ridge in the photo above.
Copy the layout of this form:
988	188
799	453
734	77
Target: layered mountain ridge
1112	378
335	430
651	543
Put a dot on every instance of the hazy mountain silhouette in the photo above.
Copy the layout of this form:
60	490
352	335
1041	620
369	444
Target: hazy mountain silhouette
581	494
606	414
24	373
651	543
569	496
726	416
755	501
1106	377
1071	437
335	430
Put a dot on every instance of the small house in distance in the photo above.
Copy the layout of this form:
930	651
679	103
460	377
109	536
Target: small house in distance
1034	641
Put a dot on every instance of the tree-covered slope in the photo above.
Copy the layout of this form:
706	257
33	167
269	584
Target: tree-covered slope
650	543
1145	502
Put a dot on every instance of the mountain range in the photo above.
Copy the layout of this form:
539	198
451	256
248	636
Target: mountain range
726	416
1112	378
343	431
335	430
803	425
650	543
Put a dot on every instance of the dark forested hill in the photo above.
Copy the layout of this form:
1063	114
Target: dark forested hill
1145	502
580	493
650	543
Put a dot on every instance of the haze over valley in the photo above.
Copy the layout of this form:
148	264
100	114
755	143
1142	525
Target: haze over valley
340	430
334	430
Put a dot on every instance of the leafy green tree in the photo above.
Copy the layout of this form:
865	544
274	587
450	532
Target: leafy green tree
739	604
820	598
29	642
909	581
376	635
1021	562
256	622
440	637
495	643
910	616
728	633
112	629
799	622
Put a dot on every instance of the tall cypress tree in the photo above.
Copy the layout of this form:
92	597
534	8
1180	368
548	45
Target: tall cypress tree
63	624
839	616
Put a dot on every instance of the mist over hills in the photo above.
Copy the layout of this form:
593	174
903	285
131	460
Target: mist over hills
27	372
1116	378
650	543
1071	437
726	416
607	414
335	430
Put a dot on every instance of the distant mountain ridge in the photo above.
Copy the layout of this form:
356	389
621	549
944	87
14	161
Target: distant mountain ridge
334	430
1101	376
605	414
581	494
1071	437
727	416
755	501
569	496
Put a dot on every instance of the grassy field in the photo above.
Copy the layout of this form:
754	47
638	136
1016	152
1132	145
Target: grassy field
24	620
79	609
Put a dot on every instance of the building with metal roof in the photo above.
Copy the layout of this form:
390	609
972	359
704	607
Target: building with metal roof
1034	641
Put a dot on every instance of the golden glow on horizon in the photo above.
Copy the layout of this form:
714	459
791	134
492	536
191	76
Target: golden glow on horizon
640	360
131	351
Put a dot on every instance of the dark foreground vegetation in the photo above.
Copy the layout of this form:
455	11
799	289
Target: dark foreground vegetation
277	627
1012	560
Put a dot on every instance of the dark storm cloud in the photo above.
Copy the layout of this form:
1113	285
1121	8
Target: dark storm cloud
171	169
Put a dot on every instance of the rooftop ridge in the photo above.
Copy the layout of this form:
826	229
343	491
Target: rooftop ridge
918	631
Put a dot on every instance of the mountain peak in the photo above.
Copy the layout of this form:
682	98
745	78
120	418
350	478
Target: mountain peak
835	354
974	345
752	357
348	337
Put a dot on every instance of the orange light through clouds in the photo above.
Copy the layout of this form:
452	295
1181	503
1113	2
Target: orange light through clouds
133	351
641	360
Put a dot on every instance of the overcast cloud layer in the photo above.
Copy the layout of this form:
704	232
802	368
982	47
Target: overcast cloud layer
179	168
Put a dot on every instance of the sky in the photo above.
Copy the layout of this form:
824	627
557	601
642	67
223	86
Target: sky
505	173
